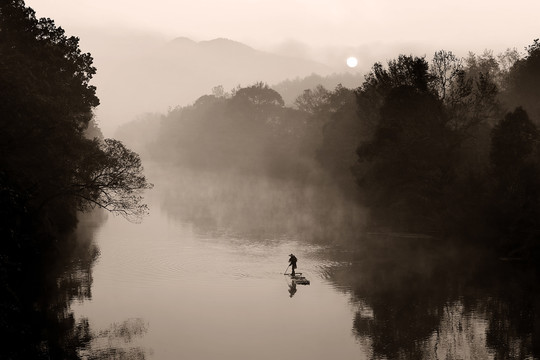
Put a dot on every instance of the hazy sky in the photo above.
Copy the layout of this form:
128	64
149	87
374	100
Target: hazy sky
453	25
117	32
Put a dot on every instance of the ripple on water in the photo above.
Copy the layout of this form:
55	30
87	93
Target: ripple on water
154	263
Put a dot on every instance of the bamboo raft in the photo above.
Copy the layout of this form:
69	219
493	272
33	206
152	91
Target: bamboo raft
299	279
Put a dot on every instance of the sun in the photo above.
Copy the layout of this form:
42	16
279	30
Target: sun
352	61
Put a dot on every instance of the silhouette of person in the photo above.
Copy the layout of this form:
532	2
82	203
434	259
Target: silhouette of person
292	262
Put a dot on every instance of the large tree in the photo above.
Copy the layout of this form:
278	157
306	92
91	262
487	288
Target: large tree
46	106
445	69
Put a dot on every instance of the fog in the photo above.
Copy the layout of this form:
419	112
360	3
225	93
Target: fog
150	210
259	207
175	73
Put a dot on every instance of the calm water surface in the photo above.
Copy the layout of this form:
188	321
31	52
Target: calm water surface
185	285
209	297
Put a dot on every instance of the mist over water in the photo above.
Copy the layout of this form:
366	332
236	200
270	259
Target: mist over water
207	290
203	276
259	207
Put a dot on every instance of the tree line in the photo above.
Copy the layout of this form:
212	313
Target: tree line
454	147
447	145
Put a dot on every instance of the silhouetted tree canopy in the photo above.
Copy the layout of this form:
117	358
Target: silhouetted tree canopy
405	70
313	101
258	95
46	104
445	70
524	82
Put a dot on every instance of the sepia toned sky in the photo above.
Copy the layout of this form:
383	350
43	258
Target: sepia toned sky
120	32
459	25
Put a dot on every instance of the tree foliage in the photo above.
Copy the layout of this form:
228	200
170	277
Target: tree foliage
46	104
409	158
313	101
403	71
259	96
523	87
436	142
249	131
107	175
445	69
341	131
516	176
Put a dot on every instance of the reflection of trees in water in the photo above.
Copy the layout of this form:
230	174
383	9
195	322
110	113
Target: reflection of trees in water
415	300
460	334
257	206
111	343
37	321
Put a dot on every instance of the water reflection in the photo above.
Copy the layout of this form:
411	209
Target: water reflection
292	289
420	299
294	281
113	343
37	320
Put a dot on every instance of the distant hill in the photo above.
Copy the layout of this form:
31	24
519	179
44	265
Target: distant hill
291	89
180	71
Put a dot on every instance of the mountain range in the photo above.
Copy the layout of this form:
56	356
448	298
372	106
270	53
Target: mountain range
176	73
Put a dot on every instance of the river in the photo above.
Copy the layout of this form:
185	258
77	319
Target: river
202	277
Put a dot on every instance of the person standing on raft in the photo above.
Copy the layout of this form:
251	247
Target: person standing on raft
292	263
